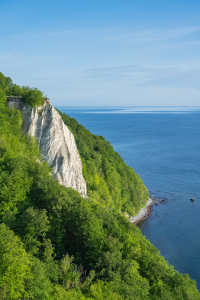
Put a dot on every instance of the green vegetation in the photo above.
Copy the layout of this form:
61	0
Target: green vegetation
110	181
31	96
54	244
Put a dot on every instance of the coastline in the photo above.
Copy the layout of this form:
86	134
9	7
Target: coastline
144	212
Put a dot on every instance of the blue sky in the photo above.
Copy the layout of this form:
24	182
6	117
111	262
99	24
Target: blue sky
104	52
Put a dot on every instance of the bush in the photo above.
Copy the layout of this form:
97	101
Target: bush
32	96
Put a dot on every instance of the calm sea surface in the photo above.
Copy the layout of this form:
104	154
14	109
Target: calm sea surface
162	144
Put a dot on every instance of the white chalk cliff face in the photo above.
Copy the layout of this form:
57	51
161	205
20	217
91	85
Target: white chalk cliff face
56	143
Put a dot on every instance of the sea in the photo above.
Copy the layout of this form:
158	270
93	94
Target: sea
162	145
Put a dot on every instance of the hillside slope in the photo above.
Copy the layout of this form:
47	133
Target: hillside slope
54	244
110	181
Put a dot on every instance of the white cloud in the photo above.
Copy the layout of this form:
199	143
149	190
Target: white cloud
153	35
141	76
114	34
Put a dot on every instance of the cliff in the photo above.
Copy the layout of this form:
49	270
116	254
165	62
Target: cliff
45	226
55	141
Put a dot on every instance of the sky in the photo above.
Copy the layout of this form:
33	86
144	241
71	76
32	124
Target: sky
104	53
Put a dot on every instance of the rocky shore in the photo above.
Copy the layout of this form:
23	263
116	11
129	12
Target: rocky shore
144	212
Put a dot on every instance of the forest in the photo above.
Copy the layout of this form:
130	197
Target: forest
54	244
110	181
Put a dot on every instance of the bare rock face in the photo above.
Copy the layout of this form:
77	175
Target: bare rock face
56	143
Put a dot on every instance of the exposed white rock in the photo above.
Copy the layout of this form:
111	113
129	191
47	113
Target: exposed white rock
56	143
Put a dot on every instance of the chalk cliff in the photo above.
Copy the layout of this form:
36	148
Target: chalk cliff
56	143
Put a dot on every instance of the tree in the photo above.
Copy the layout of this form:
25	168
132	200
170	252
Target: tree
9	81
15	264
103	291
15	90
4	84
32	96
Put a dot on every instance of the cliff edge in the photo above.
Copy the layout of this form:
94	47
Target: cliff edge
56	143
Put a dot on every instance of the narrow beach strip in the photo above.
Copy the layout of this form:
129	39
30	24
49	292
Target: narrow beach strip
144	212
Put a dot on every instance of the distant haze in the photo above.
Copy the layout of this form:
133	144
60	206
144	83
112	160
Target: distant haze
109	53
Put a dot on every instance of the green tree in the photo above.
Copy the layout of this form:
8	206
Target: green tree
9	81
15	265
4	84
38	286
32	226
100	290
15	90
32	96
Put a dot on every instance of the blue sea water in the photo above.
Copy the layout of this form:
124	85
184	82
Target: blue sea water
162	144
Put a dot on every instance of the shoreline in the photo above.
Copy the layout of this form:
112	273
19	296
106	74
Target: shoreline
144	212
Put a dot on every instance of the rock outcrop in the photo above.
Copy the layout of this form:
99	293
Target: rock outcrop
56	143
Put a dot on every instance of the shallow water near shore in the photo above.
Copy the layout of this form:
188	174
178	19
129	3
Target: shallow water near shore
163	146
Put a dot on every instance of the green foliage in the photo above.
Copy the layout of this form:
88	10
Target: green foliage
110	181
32	96
15	90
15	265
101	290
54	244
32	226
16	154
39	285
5	82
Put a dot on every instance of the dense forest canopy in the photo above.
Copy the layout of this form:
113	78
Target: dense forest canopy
110	181
54	244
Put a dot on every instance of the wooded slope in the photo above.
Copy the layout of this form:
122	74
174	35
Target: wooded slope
54	244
